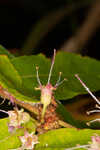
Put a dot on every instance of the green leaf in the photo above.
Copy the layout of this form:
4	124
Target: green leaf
11	140
10	79
8	140
61	139
5	52
71	64
20	75
8	73
67	63
26	66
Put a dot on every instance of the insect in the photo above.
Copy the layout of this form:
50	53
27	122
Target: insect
93	96
47	90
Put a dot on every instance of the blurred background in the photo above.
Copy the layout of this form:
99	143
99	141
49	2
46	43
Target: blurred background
30	27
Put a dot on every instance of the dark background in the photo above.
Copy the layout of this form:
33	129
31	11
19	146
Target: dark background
18	18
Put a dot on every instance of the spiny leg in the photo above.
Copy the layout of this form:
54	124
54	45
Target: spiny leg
87	89
93	96
92	111
97	106
96	120
60	83
59	80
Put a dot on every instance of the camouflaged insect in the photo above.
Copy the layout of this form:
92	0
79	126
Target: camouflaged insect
47	90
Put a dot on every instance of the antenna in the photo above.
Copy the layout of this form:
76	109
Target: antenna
52	64
87	89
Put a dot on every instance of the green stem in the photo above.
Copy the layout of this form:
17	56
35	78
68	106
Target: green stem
43	113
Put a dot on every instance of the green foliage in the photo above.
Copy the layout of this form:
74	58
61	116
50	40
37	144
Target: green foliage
20	75
10	78
8	73
65	138
55	139
5	52
11	140
69	64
